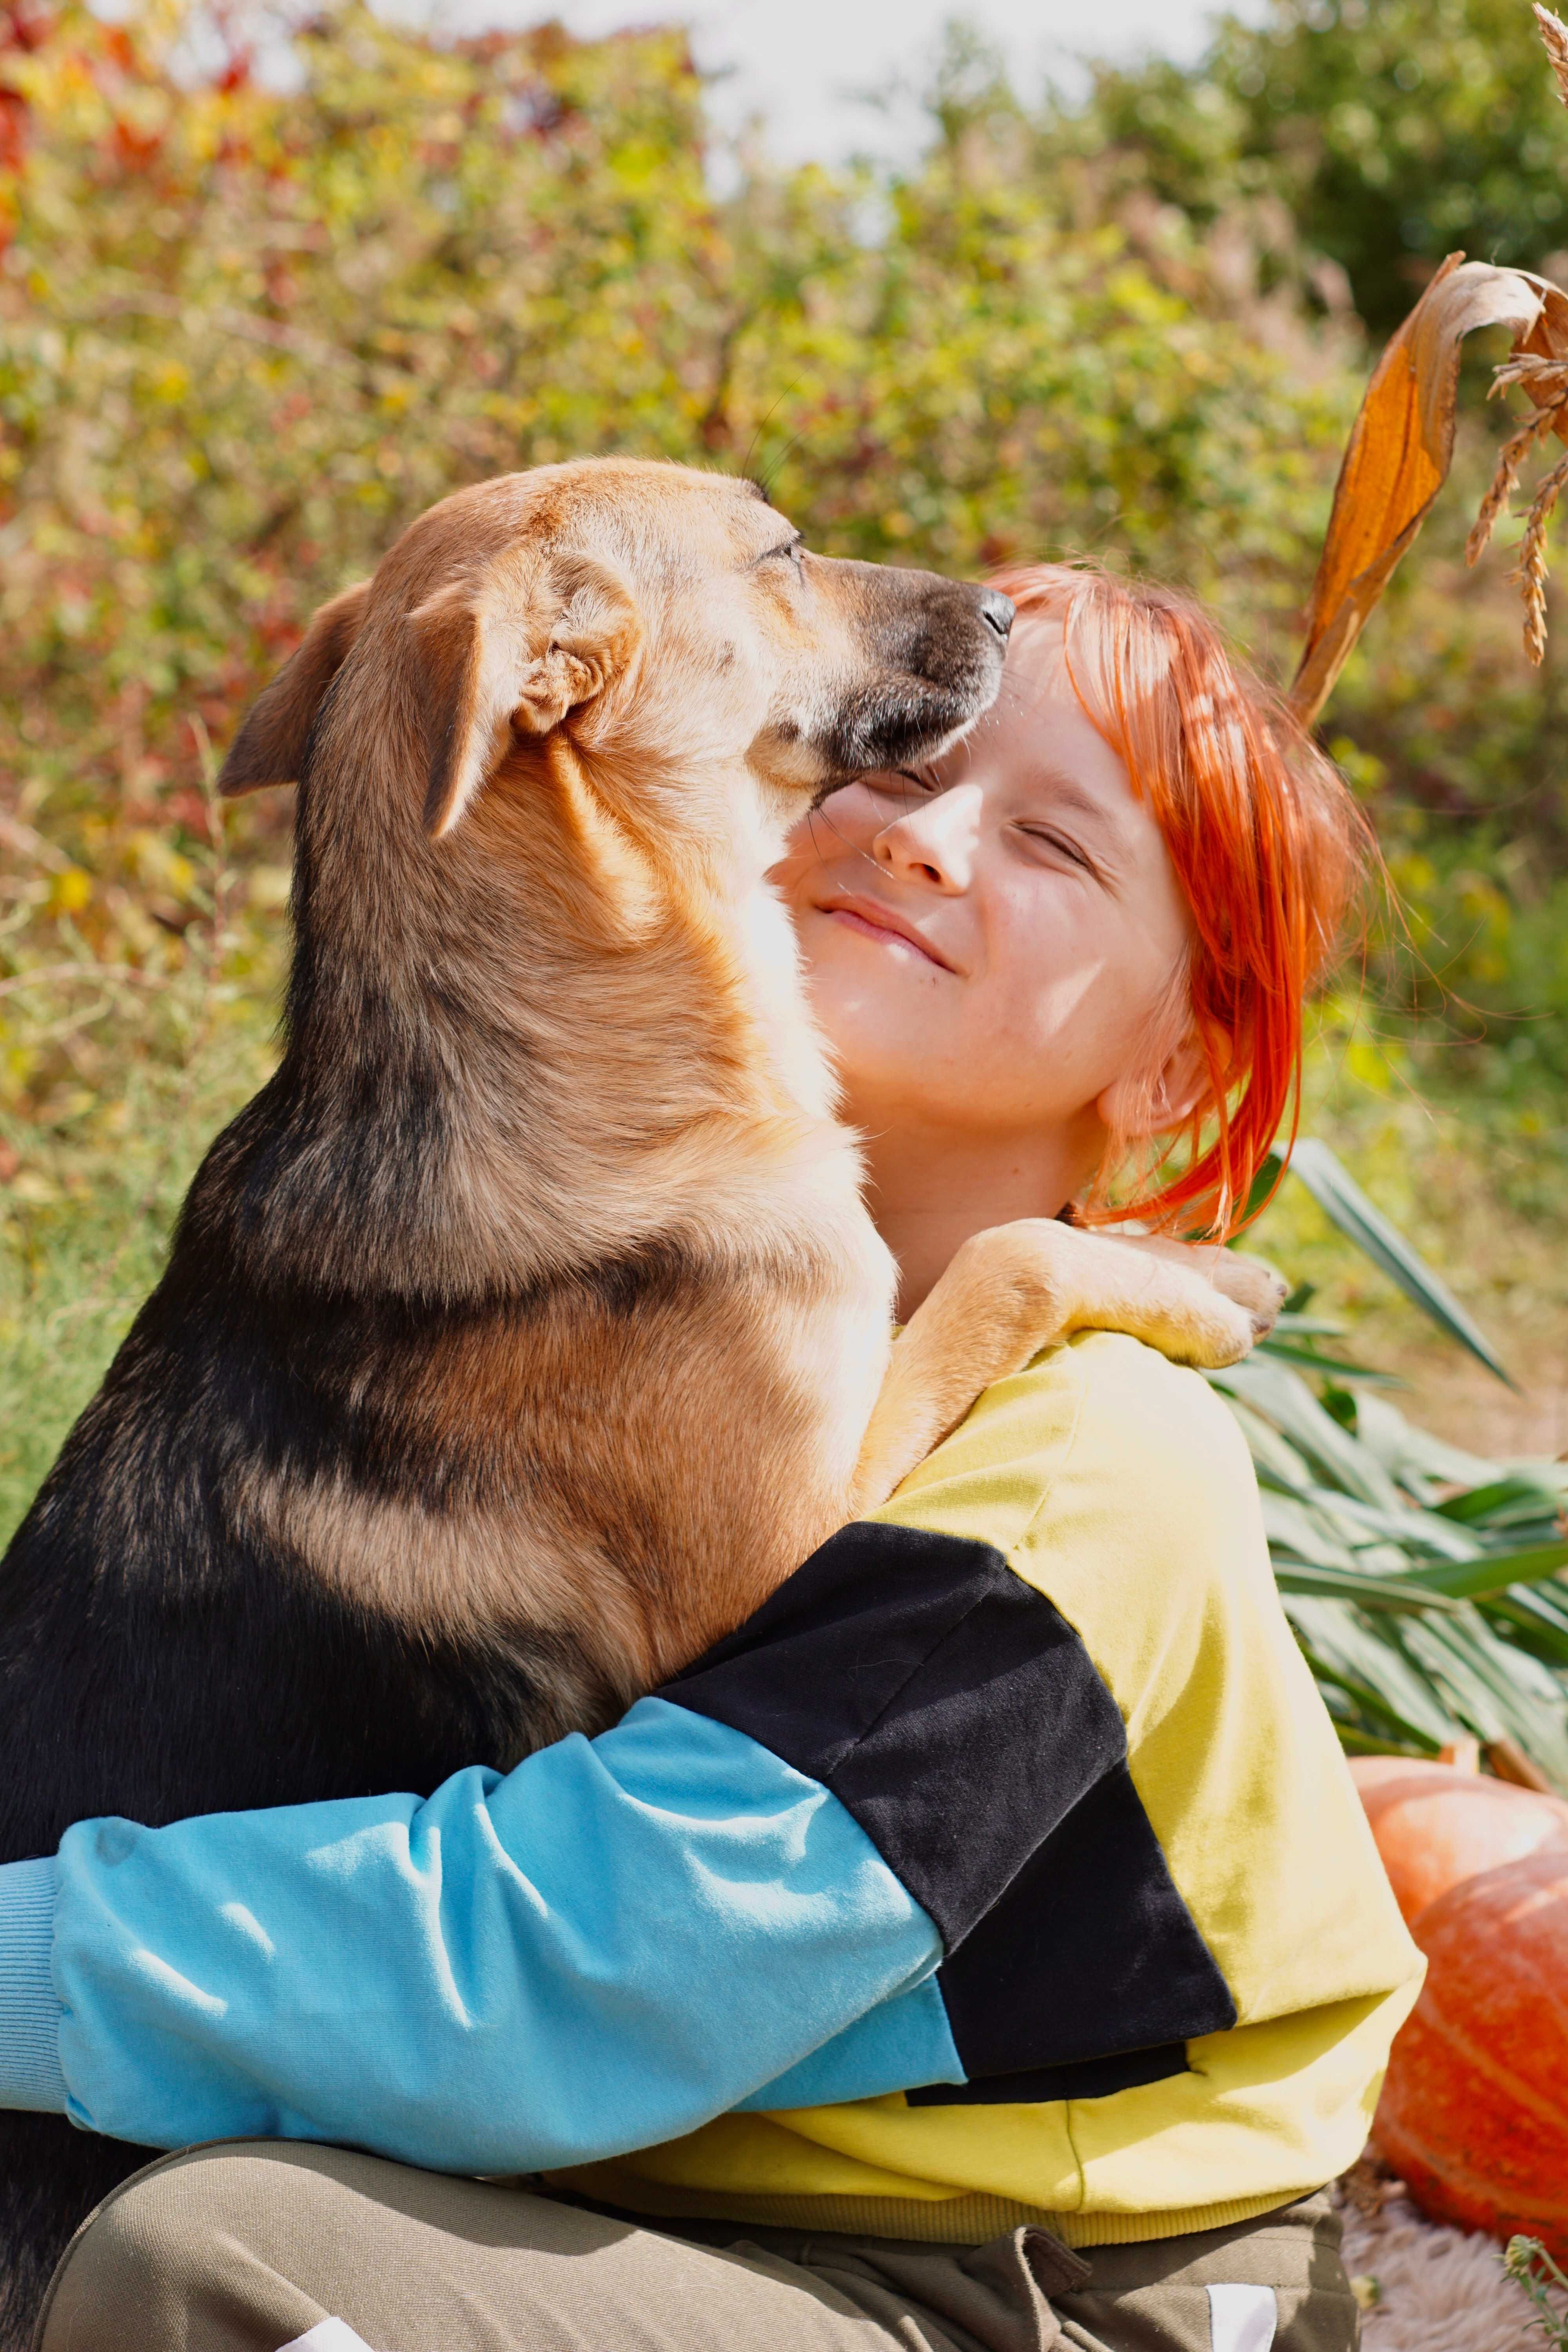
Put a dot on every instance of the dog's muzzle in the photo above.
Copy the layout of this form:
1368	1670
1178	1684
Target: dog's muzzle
938	649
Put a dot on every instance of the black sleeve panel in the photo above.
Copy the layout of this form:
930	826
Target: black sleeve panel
954	1712
1088	2078
1091	1931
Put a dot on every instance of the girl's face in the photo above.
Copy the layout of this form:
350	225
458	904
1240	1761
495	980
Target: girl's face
991	942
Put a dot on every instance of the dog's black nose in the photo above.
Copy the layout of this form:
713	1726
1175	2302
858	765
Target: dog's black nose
996	611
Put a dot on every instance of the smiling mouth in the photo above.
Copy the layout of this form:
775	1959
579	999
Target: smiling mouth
875	925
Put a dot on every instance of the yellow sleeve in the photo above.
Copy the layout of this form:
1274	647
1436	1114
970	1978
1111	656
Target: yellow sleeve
1121	1486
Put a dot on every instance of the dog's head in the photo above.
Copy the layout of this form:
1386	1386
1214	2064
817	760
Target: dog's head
666	621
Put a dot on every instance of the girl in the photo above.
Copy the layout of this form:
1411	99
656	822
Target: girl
982	1948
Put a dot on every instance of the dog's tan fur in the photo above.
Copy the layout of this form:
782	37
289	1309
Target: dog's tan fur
597	687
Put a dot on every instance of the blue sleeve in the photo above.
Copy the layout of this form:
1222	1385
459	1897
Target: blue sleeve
881	1837
619	1940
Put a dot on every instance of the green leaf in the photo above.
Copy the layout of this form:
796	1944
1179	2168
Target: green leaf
1370	1668
1351	1584
1504	1502
1303	1327
1285	1352
1275	1459
1263	1188
1303	1533
1541	1635
1493	1573
1420	1461
1339	1195
1495	1689
1276	1391
1411	1530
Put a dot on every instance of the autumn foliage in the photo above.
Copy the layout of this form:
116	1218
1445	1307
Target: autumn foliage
248	328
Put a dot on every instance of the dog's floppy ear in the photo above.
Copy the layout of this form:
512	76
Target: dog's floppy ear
269	747
540	635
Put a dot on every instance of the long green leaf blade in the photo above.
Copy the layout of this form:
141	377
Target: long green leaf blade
1473	1579
1534	1631
1339	1368
1277	1393
1350	1584
1412	1530
1367	1661
1339	1195
1505	1502
1419	1461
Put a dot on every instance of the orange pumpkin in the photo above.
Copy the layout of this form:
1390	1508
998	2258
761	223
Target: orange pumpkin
1474	2113
1435	1827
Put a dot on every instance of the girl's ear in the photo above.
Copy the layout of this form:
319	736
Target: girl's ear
1149	1103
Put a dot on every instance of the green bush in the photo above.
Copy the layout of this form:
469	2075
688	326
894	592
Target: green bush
1386	132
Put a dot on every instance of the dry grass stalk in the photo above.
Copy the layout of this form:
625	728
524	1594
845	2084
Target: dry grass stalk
1554	33
1511	456
1531	570
1510	1762
1546	379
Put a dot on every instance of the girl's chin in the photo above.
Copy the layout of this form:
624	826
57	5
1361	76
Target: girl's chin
884	1052
878	1013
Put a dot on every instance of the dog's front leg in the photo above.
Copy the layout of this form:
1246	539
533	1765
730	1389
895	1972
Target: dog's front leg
1014	1289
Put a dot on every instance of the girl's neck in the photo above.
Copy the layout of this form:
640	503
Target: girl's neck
929	1189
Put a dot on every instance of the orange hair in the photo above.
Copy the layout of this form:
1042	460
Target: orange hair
1267	845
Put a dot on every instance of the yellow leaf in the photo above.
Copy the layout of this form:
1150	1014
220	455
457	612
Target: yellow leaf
1398	456
70	891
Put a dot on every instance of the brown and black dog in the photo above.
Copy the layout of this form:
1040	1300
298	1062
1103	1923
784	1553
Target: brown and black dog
527	1328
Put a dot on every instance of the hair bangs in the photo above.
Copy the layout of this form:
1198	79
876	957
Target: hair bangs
1269	849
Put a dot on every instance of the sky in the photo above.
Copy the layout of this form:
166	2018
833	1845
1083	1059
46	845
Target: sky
805	67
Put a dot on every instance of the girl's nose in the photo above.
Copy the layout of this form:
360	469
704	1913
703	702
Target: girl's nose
933	842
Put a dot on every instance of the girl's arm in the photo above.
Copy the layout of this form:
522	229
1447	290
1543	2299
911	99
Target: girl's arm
617	1940
739	1897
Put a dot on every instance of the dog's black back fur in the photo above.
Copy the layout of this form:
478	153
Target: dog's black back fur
156	1661
161	1654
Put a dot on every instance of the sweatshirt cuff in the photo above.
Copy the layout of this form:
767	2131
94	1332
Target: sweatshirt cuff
30	2013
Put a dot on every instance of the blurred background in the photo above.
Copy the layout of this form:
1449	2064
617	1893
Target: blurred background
960	291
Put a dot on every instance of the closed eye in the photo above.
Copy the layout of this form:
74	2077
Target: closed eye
792	549
1064	847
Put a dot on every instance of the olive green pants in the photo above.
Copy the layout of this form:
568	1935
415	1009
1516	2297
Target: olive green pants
254	2246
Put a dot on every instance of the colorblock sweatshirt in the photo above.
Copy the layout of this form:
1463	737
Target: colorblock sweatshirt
1002	1867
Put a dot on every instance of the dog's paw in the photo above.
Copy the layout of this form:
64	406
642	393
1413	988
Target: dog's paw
1194	1324
1252	1283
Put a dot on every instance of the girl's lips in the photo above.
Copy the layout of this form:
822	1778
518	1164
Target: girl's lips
883	930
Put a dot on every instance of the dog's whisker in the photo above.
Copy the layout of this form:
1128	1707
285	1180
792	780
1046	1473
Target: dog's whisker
762	427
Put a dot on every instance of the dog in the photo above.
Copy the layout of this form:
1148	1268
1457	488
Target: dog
527	1328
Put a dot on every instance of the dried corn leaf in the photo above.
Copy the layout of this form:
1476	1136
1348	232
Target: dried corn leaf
1401	447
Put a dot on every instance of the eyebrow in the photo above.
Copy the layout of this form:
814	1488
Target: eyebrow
1068	790
779	547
